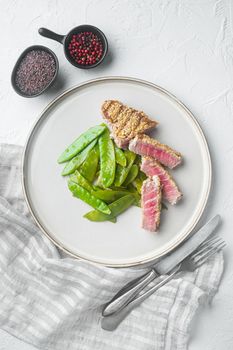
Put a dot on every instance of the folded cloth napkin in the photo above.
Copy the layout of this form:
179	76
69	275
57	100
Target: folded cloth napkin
54	302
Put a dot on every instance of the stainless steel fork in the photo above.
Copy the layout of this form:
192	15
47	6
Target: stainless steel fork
199	257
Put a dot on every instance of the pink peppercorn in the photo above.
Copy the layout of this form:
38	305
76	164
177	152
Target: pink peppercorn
85	48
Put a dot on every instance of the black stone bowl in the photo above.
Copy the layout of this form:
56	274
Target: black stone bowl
23	54
65	40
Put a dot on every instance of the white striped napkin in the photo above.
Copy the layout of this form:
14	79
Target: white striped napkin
54	302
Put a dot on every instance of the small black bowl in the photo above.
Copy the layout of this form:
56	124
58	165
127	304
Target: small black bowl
23	54
65	40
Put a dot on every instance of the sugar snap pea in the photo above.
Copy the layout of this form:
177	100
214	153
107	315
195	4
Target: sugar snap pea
80	180
89	167
98	182
137	196
110	196
138	181
116	208
113	220
80	192
81	142
133	172
120	156
122	172
78	160
107	159
118	188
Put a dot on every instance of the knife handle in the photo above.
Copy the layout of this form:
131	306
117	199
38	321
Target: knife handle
128	292
111	322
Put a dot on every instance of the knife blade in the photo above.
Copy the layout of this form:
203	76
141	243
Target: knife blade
165	265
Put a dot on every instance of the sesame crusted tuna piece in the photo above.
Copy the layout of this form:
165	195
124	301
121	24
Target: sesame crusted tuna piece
169	188
125	122
144	145
151	203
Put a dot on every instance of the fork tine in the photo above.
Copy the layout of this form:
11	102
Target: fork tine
207	249
206	245
213	252
209	240
199	261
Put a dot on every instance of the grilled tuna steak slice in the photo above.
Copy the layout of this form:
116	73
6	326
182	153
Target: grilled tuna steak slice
125	122
146	146
151	203
169	188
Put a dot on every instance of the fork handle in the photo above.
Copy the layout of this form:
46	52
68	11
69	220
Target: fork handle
125	295
111	322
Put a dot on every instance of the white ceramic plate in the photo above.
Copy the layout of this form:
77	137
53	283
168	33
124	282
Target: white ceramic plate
60	216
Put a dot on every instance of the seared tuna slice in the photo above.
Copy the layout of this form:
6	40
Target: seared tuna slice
125	122
146	146
169	188
151	203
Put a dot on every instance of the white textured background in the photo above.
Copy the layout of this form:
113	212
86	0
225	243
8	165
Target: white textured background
186	46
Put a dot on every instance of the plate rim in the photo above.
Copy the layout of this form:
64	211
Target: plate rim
43	115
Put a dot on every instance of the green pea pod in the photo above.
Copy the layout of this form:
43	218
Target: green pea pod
120	156
78	160
80	192
131	175
116	207
99	184
109	196
137	196
122	172
89	167
107	159
118	188
81	142
113	220
81	181
139	181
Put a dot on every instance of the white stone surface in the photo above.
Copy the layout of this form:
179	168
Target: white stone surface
186	46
